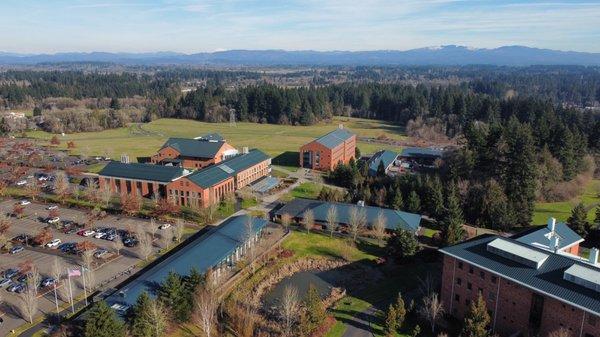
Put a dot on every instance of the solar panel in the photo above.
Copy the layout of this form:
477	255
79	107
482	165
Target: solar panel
584	276
515	252
226	168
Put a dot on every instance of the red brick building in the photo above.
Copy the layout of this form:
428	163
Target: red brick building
196	189
326	152
529	291
194	153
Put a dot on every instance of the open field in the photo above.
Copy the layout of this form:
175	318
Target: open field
144	139
562	210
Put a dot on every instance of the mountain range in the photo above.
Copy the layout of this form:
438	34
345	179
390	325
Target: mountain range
444	55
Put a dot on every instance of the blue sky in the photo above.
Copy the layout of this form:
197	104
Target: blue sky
49	26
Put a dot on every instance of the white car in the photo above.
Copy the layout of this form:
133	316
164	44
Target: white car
51	207
53	243
100	235
21	182
24	202
54	220
164	226
88	232
43	178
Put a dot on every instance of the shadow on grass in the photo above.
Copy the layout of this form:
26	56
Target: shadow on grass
287	158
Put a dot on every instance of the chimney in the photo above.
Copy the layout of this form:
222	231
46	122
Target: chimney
594	252
361	203
556	243
552	224
245	150
124	159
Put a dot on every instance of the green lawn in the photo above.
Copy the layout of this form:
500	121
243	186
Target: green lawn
321	246
143	140
562	210
307	190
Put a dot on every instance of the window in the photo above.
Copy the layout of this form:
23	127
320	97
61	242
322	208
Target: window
460	265
480	291
494	279
591	320
467	302
482	275
492	296
469	285
457	298
459	281
470	269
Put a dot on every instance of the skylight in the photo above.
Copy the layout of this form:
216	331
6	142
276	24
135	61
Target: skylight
518	253
584	276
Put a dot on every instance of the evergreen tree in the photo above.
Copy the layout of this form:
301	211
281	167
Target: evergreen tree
391	321
138	324
315	311
173	294
413	203
400	311
381	169
402	244
578	220
452	221
115	104
596	224
397	201
102	321
434	197
477	320
521	171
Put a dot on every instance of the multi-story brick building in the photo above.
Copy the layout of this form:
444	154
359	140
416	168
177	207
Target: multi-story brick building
528	290
326	152
194	153
196	189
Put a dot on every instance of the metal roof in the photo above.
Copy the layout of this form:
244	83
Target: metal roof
393	219
421	152
547	279
334	138
385	156
214	174
202	253
542	237
584	276
517	253
198	148
142	171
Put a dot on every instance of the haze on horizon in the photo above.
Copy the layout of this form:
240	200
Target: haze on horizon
189	26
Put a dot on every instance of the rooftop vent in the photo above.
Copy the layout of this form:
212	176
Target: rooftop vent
552	224
587	277
593	259
517	253
245	150
124	159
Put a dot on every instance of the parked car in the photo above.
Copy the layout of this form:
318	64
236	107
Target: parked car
110	237
54	243
70	230
164	226
99	235
16	249
21	183
100	253
43	178
16	288
5	282
54	220
24	202
86	232
46	282
67	247
130	242
22	238
8	273
52	207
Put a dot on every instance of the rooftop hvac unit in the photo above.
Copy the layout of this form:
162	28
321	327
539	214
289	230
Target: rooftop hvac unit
124	159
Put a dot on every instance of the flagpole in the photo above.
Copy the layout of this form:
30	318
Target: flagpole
70	291
84	288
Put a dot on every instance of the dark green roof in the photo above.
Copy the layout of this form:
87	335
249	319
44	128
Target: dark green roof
198	148
385	156
215	174
335	138
141	171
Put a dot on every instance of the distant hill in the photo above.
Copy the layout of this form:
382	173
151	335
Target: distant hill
445	55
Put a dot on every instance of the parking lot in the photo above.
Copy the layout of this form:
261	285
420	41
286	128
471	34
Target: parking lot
32	222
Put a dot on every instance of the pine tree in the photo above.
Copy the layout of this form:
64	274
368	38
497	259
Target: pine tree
381	169
174	295
597	219
391	321
402	244
578	220
413	203
452	230
138	325
315	311
102	321
476	320
400	311
397	201
434	201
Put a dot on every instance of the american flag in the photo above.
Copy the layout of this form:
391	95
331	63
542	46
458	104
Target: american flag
74	272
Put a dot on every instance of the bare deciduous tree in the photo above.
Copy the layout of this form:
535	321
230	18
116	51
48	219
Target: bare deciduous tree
250	241
61	185
308	220
167	237
286	219
28	303
106	195
56	273
243	319
207	304
178	230
331	219
432	309
157	315
118	244
152	228
357	221
145	245
290	308
88	260
562	332
379	227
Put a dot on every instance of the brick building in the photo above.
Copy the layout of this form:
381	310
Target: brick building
194	153
326	152
528	290
196	189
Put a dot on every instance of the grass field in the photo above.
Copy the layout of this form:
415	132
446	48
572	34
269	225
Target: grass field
562	210
138	140
307	190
